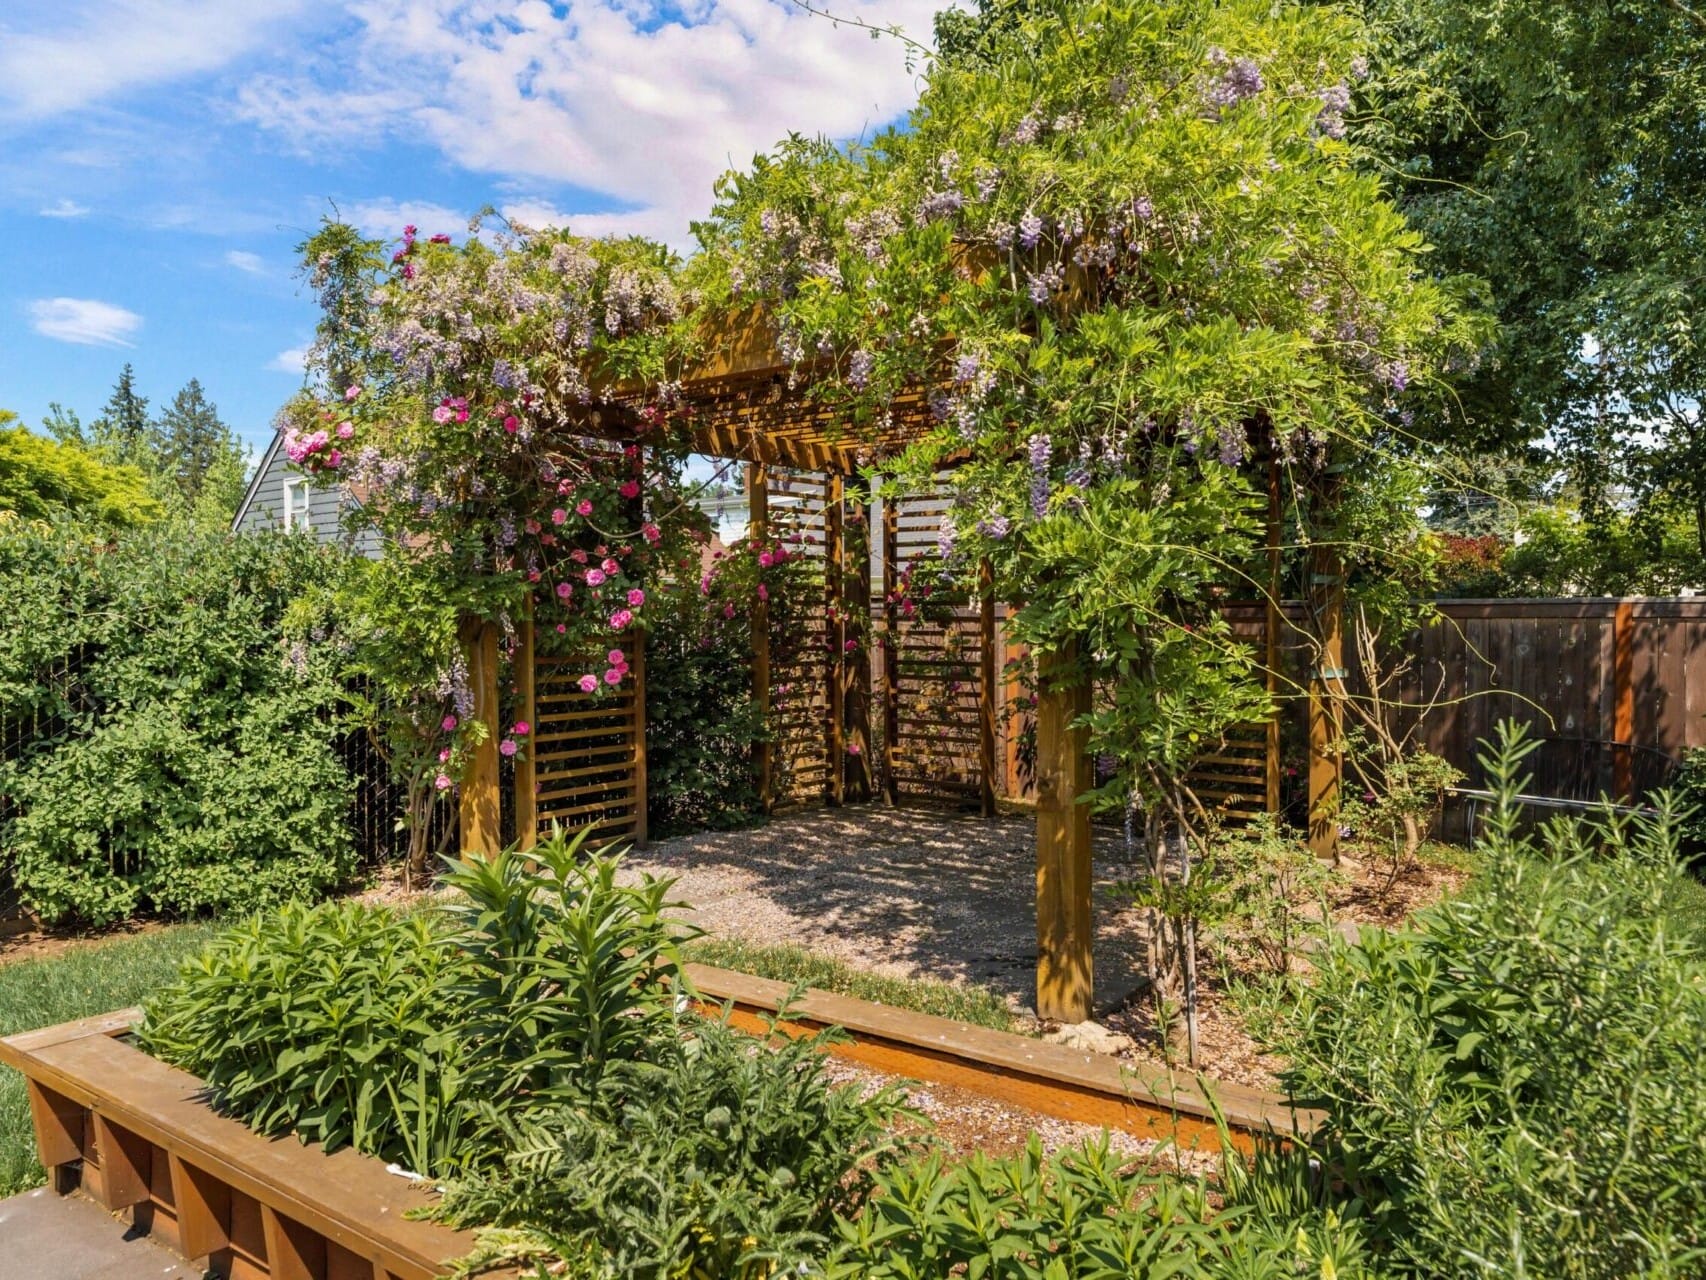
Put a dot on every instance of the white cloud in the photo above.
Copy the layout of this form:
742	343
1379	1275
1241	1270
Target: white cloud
245	261
85	321
385	219
65	208
292	360
71	56
637	101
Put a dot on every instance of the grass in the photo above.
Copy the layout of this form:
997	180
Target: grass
783	963
89	978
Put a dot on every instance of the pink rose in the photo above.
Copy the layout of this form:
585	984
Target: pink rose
564	590
444	756
512	424
610	566
763	592
728	611
346	430
636	597
613	677
620	620
352	391
589	684
616	657
334	458
583	507
765	559
578	556
531	525
449	725
629	490
506	747
559	515
594	577
522	729
442	782
651	533
562	628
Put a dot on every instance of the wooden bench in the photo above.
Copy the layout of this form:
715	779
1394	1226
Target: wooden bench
139	1136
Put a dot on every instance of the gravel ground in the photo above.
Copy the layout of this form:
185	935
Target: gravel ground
913	893
969	1122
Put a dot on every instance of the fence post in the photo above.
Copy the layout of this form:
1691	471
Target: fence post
987	690
1623	699
1326	687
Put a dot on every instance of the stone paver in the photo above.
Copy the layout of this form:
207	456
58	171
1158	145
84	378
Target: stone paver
49	1237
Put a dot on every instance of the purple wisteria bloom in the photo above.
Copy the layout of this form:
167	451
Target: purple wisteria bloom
1039	450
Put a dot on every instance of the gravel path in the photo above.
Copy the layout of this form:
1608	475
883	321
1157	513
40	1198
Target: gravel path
907	892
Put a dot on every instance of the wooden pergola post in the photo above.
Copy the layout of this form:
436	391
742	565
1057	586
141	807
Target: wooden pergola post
835	670
526	767
481	799
1065	978
988	692
758	530
637	665
891	646
856	687
1326	688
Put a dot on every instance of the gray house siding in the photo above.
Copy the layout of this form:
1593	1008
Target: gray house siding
279	497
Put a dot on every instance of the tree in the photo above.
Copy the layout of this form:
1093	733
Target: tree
196	446
124	433
41	478
64	425
1558	151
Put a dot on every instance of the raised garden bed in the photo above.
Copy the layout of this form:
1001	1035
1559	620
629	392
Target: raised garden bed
140	1136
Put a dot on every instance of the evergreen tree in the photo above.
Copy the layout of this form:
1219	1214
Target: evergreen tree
123	432
195	444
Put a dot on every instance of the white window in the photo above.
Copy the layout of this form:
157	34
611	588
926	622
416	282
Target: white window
296	513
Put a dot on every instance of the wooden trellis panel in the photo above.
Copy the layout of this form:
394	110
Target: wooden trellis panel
802	510
939	669
589	750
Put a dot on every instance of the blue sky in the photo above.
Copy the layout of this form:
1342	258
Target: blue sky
160	158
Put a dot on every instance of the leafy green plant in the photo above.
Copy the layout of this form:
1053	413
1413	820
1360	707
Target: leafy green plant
1268	893
717	1156
1083	1214
182	760
418	1037
1517	1082
1690	787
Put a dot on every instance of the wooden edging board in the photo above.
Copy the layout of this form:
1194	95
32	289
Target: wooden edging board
1052	1079
140	1137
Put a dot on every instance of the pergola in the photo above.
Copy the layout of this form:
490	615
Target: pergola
586	766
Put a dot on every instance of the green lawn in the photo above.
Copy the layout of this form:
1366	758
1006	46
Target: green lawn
792	964
90	978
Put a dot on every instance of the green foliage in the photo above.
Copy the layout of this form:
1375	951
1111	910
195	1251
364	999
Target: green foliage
1555	150
783	962
1085	1215
178	762
710	1158
701	718
41	479
1516	1081
416	1038
82	981
199	455
1690	787
1267	893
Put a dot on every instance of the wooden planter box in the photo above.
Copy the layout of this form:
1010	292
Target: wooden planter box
139	1136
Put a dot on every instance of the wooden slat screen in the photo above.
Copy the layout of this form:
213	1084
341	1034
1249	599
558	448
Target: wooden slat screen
800	661
588	752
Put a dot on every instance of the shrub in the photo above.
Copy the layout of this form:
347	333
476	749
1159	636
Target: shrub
175	760
1262	881
1085	1215
415	1038
1517	1083
1691	795
715	1157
